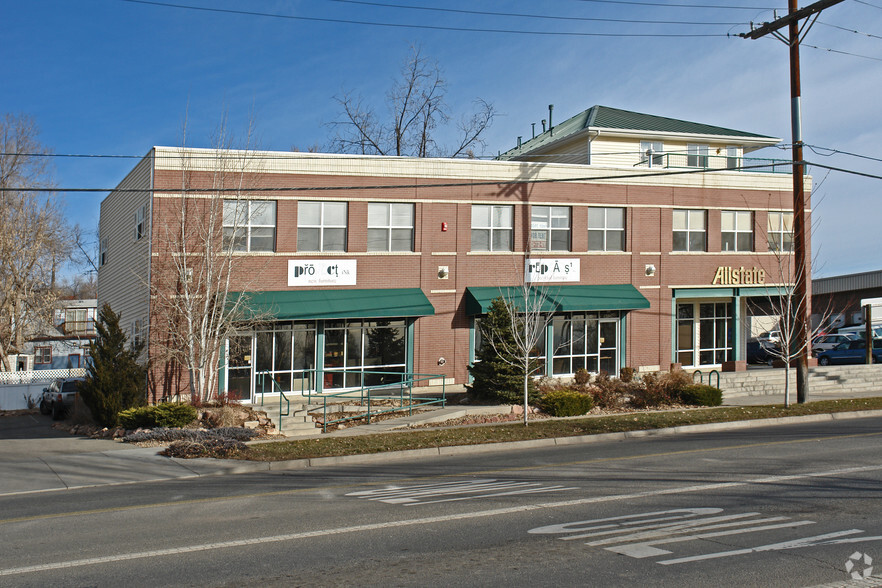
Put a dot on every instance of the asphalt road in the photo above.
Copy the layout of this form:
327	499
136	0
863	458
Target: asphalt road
794	505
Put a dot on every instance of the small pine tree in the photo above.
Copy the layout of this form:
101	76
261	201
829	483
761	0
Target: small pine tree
115	380
498	373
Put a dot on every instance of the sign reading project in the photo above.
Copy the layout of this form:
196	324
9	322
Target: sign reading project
321	272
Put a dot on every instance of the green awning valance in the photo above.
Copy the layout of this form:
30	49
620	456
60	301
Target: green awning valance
560	298
331	304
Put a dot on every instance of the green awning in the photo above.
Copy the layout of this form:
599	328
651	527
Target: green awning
332	304
560	298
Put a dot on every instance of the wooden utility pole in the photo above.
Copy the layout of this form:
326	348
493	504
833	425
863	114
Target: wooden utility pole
802	288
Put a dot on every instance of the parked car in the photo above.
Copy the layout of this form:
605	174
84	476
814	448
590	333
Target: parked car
59	397
758	352
854	351
860	331
769	337
825	342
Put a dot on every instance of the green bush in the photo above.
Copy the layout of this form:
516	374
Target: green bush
701	395
561	403
162	415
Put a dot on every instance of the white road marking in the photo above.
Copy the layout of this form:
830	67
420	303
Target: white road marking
461	490
428	521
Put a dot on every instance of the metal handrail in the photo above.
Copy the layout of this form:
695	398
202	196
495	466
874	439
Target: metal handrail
683	160
278	389
368	396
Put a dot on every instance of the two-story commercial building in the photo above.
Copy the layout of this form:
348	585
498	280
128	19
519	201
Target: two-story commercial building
651	236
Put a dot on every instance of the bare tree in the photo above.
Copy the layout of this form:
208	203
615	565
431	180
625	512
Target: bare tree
34	236
199	299
529	317
416	113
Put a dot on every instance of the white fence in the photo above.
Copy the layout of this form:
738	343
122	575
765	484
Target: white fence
17	387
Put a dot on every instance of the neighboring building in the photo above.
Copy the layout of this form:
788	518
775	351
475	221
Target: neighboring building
838	300
64	344
645	268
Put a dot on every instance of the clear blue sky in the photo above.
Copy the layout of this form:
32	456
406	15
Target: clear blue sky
114	77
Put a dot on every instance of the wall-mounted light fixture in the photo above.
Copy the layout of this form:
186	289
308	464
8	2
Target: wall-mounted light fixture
650	270
443	272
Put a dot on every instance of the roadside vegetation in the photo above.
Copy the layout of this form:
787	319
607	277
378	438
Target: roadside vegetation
545	429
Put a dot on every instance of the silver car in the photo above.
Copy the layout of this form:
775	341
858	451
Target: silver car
825	342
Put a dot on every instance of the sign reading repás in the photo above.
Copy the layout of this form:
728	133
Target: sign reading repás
321	272
551	270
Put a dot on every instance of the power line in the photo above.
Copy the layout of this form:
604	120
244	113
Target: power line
845	171
827	49
415	26
536	16
842	29
868	4
676	5
393	186
814	149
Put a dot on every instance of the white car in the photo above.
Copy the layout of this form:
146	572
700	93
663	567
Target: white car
825	342
769	338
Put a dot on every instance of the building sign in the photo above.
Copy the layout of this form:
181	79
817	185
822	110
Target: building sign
551	270
734	276
321	272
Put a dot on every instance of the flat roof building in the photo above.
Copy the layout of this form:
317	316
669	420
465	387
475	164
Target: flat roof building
648	235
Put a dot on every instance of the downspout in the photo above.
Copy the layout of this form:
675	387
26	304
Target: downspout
590	139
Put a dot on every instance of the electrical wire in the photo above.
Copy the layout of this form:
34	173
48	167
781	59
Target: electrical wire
536	16
676	5
274	189
831	26
846	171
868	4
840	52
416	26
814	149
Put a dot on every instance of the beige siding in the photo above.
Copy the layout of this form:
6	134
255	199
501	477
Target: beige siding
123	279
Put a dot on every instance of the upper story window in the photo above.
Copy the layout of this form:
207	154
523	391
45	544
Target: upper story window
250	225
550	228
736	230
696	155
652	153
690	230
102	252
492	227
140	222
606	229
321	226
42	355
733	160
780	231
390	227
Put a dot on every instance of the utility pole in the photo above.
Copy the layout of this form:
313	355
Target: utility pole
802	287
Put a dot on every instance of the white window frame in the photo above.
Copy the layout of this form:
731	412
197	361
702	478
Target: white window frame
389	227
140	222
697	155
247	225
740	227
777	233
689	229
652	153
606	229
102	252
322	225
493	230
733	157
41	353
547	215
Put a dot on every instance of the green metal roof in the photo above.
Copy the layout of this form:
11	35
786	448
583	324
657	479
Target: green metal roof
331	304
560	298
604	117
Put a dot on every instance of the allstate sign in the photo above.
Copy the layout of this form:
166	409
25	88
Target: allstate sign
321	272
551	270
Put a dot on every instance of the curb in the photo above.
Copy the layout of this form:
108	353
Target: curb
368	458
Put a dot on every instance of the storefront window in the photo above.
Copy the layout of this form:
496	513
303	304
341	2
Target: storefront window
704	333
364	353
285	358
585	341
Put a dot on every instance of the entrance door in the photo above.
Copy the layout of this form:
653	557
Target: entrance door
704	333
609	345
239	369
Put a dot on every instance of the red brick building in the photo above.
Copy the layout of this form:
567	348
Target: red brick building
650	234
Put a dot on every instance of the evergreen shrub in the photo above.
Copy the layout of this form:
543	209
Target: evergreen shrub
565	402
701	395
168	414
